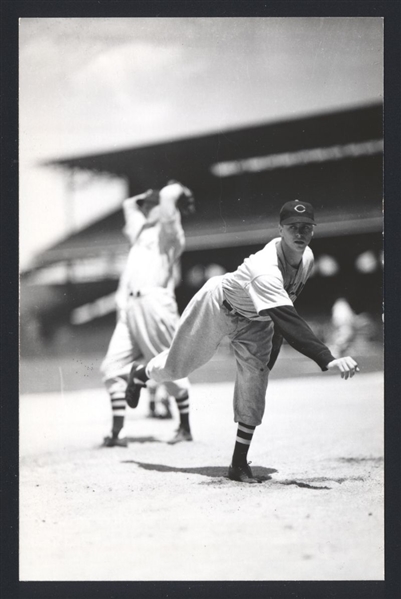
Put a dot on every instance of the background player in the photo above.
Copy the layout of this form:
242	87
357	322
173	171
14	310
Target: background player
147	309
253	306
159	400
344	327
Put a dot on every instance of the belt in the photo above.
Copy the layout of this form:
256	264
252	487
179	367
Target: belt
145	290
228	306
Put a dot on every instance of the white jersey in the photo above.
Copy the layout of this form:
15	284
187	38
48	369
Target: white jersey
156	244
265	280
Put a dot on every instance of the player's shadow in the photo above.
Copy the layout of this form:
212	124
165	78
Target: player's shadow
260	472
148	439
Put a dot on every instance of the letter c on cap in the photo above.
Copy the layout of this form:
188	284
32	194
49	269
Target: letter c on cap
300	208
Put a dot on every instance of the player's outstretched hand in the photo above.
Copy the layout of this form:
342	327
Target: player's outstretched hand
347	366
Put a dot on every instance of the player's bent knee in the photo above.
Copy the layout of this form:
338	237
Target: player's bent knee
173	374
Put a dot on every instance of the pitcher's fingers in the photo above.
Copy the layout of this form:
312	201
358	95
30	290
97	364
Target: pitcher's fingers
347	369
350	362
350	367
340	367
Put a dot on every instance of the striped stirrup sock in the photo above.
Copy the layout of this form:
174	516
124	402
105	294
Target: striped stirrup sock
118	407
183	409
242	442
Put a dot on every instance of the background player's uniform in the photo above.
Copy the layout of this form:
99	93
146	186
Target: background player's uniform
147	309
238	305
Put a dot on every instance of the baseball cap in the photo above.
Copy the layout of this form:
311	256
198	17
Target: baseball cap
297	212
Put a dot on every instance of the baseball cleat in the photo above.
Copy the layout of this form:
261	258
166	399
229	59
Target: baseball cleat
242	474
181	435
115	442
136	382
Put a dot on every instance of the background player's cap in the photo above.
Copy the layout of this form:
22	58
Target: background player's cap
297	212
151	196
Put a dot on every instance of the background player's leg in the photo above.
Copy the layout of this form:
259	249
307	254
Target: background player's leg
159	401
115	368
152	401
184	430
165	402
154	327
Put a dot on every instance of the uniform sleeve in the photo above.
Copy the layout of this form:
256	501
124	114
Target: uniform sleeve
299	335
172	237
134	219
267	291
121	296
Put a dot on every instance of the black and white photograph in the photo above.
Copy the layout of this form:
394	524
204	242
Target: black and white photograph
201	376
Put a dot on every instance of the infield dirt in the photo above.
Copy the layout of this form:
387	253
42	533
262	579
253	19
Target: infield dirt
154	511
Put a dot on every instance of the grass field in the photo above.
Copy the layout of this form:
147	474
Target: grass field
158	512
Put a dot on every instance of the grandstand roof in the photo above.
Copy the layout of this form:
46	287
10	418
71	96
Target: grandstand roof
189	158
241	177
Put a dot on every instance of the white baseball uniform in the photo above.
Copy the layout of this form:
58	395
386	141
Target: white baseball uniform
146	306
234	304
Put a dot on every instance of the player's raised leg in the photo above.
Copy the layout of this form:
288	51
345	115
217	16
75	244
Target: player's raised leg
200	330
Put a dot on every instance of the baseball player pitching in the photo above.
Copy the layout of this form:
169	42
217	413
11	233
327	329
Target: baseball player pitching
147	313
254	307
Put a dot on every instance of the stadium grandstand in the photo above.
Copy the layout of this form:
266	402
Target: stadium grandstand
240	178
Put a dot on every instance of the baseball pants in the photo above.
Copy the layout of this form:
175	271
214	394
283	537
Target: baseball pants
143	330
203	324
